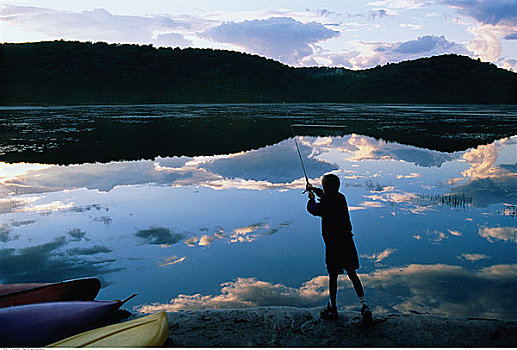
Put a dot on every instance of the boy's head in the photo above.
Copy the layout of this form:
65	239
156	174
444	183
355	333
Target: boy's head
330	183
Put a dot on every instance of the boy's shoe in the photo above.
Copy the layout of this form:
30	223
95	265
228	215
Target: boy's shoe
329	313
367	315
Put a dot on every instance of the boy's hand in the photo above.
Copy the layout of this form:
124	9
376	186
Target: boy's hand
311	195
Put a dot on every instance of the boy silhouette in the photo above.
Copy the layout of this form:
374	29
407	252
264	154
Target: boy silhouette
340	251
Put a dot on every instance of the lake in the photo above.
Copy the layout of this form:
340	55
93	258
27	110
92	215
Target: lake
201	207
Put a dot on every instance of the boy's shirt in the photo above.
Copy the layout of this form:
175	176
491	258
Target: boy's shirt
335	219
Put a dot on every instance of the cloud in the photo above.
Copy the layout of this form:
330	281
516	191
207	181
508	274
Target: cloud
494	20
246	293
378	257
282	38
379	53
171	261
359	148
427	44
437	289
277	164
377	13
97	25
506	234
488	183
48	262
487	11
159	236
5	234
399	4
89	251
251	232
472	256
76	234
449	290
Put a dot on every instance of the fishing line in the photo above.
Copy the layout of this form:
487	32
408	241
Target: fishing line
299	154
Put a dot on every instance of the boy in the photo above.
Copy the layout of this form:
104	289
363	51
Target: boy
340	251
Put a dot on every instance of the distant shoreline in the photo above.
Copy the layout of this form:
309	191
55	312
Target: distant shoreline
299	327
73	72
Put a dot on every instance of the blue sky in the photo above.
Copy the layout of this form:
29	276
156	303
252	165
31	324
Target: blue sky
351	34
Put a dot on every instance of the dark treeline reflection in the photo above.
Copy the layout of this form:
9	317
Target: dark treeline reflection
73	135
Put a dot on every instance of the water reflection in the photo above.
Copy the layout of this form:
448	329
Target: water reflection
437	289
231	230
53	261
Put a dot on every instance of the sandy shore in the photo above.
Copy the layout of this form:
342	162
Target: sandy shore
296	327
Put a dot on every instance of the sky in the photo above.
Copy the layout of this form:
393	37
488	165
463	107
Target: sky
355	34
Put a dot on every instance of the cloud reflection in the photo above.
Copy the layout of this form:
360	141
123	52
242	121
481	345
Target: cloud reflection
488	182
271	167
492	234
159	236
50	262
251	232
171	261
437	289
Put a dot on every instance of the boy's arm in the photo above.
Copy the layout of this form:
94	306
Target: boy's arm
315	190
313	207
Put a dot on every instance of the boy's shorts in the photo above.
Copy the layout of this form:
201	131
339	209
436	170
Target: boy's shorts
341	256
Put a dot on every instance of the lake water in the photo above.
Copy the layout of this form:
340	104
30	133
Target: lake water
436	231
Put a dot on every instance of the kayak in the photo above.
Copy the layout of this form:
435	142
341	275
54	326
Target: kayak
30	293
36	325
11	288
151	330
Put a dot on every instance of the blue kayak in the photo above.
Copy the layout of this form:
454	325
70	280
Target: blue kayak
36	325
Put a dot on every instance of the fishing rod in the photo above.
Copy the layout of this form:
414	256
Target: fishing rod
300	156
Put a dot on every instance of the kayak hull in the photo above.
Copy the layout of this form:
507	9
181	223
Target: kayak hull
36	325
30	293
151	330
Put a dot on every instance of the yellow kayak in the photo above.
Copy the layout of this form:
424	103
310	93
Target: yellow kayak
151	330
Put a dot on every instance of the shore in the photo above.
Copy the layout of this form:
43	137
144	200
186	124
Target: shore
298	327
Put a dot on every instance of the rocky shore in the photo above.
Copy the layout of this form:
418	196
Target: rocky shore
298	327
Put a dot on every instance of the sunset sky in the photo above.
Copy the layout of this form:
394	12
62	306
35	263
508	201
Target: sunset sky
352	34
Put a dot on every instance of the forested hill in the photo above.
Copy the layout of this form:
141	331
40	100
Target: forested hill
64	72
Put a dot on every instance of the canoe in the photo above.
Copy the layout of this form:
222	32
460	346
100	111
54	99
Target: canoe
36	325
151	330
11	288
30	293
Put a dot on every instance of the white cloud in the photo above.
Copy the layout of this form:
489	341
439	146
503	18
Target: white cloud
97	25
482	161
378	257
494	20
472	256
460	292
411	26
507	234
281	38
399	4
374	53
171	261
487	292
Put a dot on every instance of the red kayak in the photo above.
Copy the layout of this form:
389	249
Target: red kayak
30	293
36	325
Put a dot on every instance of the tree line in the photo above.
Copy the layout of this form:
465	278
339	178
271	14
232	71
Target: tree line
71	72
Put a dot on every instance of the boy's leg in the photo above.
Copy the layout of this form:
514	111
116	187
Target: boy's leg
333	290
365	309
357	283
330	311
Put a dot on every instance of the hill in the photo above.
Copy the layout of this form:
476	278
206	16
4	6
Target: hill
65	72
